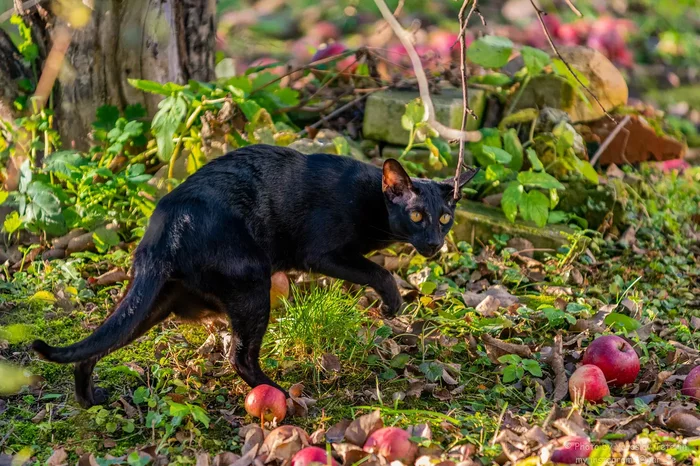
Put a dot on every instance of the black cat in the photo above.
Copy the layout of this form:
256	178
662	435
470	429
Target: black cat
214	242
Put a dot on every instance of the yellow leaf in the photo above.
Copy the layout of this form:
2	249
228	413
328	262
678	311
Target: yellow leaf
45	296
12	378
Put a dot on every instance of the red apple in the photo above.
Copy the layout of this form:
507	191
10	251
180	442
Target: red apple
393	444
588	381
279	289
573	450
691	385
267	403
615	357
312	455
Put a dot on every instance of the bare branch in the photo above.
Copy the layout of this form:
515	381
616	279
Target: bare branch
540	17
429	116
573	8
464	71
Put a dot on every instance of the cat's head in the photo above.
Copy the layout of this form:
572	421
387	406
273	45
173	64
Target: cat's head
421	212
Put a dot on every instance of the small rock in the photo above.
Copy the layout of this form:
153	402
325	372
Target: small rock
523	246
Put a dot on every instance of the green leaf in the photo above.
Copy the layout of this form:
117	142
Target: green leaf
510	359
510	374
156	88
400	360
3	196
492	79
428	287
44	202
134	112
140	395
105	239
557	216
199	414
535	60
490	51
535	206
12	223
588	171
539	180
495	172
512	145
172	111
107	116
534	160
511	199
250	108
497	155
600	455
532	367
64	162
621	321
413	115
178	409
432	371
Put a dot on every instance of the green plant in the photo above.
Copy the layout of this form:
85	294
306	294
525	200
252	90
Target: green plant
422	135
516	366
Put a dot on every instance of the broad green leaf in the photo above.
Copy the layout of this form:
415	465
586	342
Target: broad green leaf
25	176
250	108
510	359
288	97
588	171
510	374
105	239
3	196
44	202
535	59
600	455
534	160
413	115
557	216
497	155
134	112
107	116
400	360
172	111
428	287
621	321
199	414
178	409
65	162
431	370
141	394
541	180
535	206
495	172
492	79
490	51
532	367
511	200
512	145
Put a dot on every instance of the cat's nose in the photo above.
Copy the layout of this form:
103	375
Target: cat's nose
434	244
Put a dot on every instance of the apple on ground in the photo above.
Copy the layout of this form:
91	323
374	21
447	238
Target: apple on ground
573	450
588	381
311	455
267	403
615	357
392	443
691	385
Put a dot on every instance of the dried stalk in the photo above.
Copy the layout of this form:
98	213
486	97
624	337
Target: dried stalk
429	115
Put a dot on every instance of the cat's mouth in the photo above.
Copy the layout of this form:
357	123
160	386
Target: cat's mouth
429	252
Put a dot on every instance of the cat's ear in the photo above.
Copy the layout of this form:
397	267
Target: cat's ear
395	180
448	186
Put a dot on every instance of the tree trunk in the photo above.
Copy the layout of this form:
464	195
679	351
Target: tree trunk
159	40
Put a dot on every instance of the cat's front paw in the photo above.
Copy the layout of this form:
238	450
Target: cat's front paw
390	311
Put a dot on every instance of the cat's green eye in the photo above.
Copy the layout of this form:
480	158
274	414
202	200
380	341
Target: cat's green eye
416	216
445	219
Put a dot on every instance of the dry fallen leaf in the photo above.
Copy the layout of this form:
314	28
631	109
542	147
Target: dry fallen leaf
58	457
359	429
283	443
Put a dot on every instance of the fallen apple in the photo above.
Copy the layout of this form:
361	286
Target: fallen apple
392	443
691	385
615	357
573	450
267	403
588	381
279	289
313	455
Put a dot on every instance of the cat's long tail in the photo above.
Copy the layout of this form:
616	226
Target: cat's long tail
118	328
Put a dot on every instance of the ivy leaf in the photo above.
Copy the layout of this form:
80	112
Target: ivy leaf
172	110
512	145
535	60
511	200
539	180
535	206
490	51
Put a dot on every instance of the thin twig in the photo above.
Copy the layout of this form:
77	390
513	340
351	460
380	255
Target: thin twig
573	8
463	29
609	139
540	17
338	111
25	6
464	71
429	115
